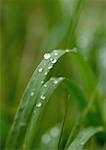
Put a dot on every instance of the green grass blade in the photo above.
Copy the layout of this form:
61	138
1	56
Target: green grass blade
29	98
46	91
30	95
83	137
89	80
73	22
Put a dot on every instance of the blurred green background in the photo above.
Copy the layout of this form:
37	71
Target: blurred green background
29	28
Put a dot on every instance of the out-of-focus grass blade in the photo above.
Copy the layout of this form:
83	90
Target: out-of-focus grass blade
46	91
85	72
83	137
73	22
29	98
55	35
89	80
64	29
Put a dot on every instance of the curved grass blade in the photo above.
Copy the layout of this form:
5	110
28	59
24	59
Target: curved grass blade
89	80
86	73
29	98
83	137
80	122
46	91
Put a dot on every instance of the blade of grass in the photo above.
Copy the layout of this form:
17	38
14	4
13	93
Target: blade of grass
89	81
73	23
79	123
82	138
43	98
63	122
64	28
29	98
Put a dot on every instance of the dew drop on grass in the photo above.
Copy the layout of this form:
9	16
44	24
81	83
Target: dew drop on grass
42	82
46	138
47	56
55	53
32	94
39	104
52	79
67	50
51	59
82	144
54	61
50	67
61	78
45	73
42	97
55	82
45	85
40	69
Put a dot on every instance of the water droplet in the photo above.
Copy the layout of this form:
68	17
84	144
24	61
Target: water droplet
61	78
82	143
67	50
39	104
40	69
50	67
55	82
45	85
46	138
32	94
55	53
42	82
54	132
51	58
45	73
47	56
42	97
54	61
52	79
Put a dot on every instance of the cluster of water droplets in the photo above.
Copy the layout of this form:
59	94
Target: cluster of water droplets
43	97
47	56
52	133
